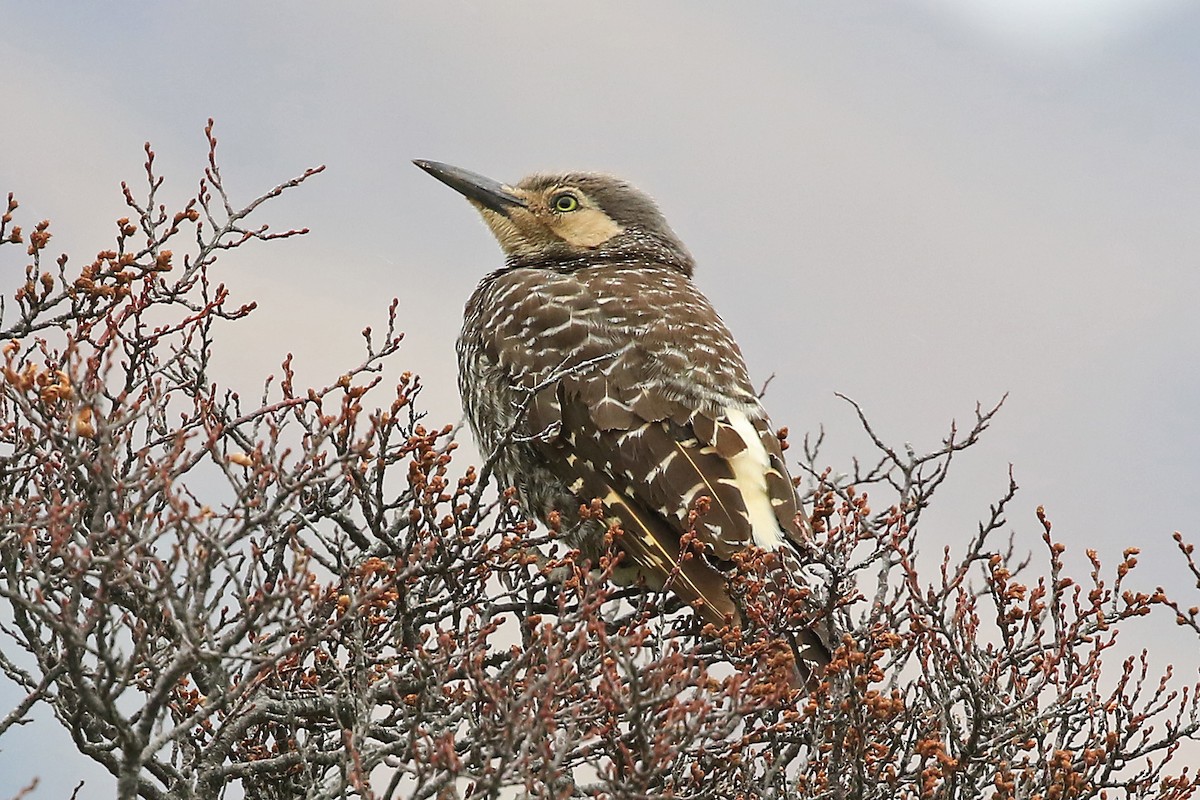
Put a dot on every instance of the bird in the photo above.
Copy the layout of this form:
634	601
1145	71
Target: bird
592	367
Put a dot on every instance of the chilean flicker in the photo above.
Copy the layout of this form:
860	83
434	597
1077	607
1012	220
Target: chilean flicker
593	368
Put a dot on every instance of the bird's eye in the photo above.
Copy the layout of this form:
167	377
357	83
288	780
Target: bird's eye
565	202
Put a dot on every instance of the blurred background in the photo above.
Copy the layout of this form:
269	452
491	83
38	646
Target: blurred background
921	204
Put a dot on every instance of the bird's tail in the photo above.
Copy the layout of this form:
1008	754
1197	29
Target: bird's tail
777	586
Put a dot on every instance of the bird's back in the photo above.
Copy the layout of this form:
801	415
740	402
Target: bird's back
638	382
640	326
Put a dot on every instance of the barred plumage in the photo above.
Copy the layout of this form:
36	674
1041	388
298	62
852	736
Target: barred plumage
611	376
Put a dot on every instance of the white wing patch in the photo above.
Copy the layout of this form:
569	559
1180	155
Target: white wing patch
750	468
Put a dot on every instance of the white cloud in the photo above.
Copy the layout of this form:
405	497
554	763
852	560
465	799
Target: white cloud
1073	29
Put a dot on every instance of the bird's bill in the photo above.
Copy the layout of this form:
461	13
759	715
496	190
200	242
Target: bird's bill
484	191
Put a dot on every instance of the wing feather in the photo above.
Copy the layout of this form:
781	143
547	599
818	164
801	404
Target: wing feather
647	426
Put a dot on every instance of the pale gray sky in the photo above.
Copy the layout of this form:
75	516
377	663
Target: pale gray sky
920	204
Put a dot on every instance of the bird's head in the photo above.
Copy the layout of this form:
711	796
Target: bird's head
566	219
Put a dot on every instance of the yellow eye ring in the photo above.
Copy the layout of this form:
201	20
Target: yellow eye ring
564	202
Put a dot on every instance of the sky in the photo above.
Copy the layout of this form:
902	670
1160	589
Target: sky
921	205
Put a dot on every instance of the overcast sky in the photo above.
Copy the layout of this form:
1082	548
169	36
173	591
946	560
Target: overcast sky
920	204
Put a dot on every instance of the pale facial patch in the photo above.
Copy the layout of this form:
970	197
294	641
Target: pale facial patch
587	227
532	229
750	468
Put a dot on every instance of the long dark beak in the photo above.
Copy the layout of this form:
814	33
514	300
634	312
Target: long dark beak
485	191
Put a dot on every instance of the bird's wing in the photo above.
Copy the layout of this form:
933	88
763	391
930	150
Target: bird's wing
643	402
649	458
665	455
